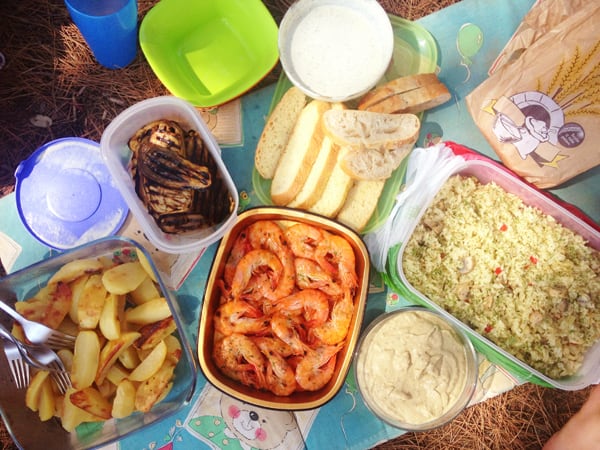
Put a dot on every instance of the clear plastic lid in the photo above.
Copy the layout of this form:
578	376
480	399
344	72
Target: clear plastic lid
66	196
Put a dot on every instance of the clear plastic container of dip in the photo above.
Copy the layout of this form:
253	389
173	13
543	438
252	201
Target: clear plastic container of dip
415	369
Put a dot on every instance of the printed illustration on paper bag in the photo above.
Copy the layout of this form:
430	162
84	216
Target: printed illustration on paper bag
538	123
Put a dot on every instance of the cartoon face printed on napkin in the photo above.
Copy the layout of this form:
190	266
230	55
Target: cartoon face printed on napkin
225	422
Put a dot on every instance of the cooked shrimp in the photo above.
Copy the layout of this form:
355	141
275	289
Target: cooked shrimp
258	288
310	275
256	261
266	234
336	328
288	328
273	344
238	357
312	304
240	247
336	256
238	316
280	377
316	368
303	239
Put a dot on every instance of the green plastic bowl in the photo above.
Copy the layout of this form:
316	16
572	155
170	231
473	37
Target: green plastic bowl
209	52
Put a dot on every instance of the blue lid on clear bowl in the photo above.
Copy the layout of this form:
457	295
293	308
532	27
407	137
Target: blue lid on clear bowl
66	196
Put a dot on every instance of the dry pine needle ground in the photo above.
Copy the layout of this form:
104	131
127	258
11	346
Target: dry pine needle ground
50	71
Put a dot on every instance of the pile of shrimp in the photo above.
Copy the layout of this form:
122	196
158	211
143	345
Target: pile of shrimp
287	300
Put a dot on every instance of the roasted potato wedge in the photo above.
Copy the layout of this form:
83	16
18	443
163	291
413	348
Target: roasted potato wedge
76	286
46	404
91	302
111	351
111	316
74	269
66	356
146	265
49	306
107	389
149	391
129	358
34	308
123	278
72	415
155	332
91	400
174	349
150	365
146	291
124	401
85	362
34	390
117	373
149	312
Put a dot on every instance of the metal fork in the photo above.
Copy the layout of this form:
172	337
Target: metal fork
18	367
42	358
38	333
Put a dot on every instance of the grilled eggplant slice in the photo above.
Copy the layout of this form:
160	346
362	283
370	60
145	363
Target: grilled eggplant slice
177	178
172	170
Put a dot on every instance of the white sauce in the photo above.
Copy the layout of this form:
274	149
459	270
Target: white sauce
335	51
412	367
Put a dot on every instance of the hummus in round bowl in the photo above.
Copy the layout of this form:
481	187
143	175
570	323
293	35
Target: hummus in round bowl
414	369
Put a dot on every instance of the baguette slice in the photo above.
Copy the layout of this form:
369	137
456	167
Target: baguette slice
299	154
411	94
365	129
360	204
316	181
395	87
374	164
334	195
421	99
319	173
277	131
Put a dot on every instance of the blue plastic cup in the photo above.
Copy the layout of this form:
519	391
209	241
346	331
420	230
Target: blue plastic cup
109	27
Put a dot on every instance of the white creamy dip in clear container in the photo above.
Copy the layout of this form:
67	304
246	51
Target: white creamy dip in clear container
335	50
414	369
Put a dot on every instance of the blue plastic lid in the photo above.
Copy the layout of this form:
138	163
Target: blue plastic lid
65	194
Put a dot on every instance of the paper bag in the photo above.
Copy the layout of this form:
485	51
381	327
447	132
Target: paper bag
541	111
543	16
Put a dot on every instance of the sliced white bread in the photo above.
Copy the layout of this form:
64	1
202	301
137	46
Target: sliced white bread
366	129
360	204
320	172
316	181
374	164
299	154
277	131
411	94
335	191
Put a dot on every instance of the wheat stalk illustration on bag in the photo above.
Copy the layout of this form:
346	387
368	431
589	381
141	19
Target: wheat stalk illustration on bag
574	86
